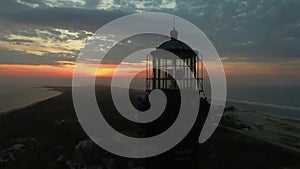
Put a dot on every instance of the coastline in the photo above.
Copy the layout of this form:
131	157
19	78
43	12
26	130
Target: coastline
269	105
278	126
61	91
52	125
33	103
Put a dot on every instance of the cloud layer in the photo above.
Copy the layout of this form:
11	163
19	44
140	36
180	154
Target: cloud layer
255	30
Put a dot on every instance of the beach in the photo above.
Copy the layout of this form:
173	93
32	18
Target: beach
273	123
13	97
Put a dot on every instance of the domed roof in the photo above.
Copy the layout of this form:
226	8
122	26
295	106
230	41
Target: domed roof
174	44
178	47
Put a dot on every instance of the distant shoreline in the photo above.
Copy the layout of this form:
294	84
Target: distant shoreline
270	105
50	88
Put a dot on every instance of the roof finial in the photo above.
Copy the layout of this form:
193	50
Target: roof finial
173	22
174	33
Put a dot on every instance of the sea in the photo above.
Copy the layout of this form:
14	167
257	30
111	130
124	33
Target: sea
273	113
17	96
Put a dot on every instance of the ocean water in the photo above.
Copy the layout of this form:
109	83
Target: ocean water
17	96
272	95
273	113
273	123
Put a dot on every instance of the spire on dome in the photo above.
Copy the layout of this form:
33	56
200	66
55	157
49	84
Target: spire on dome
174	32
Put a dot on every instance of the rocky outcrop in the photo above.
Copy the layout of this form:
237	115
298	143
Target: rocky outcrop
11	154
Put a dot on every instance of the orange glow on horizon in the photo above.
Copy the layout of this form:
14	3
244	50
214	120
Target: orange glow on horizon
60	71
36	70
238	69
232	69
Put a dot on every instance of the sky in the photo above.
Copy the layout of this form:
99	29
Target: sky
258	40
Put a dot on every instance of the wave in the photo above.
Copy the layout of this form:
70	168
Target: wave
265	104
281	127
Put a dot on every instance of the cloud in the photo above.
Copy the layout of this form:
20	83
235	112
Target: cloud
65	18
251	28
21	58
40	41
127	5
52	3
91	3
272	26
